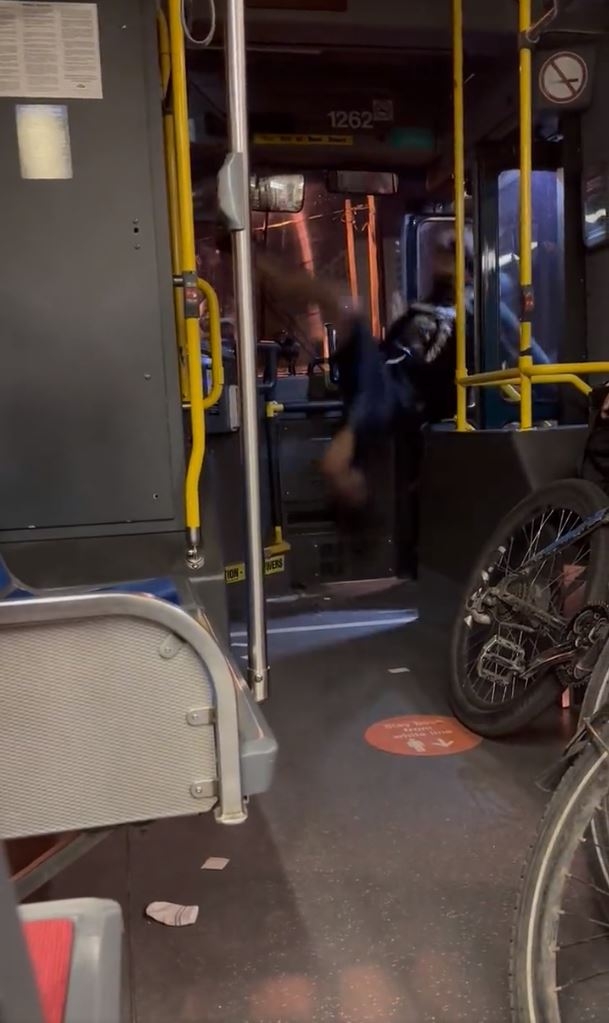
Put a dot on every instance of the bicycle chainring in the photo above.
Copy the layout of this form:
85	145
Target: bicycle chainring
587	631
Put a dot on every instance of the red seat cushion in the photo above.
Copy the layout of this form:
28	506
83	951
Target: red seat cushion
50	946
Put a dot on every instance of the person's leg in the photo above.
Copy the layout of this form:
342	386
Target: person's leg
368	411
345	478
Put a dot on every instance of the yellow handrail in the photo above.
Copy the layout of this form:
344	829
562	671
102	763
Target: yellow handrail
552	373
568	367
564	378
459	174
525	360
174	234
215	343
492	377
187	270
164	50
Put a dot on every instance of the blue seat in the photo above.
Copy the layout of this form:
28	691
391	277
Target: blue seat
163	588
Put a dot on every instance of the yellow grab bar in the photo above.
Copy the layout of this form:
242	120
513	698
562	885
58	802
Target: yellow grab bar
215	343
459	174
568	367
511	392
164	50
174	233
171	176
563	378
188	272
559	373
491	377
525	360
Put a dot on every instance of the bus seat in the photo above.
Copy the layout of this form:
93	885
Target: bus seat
120	707
75	951
164	588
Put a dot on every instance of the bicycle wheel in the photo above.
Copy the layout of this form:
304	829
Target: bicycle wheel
490	652
559	969
596	697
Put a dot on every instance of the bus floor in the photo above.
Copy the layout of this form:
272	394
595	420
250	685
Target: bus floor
366	887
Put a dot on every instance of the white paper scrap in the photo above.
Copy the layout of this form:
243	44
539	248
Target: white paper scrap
172	915
215	863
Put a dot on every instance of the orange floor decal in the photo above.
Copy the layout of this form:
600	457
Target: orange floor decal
421	735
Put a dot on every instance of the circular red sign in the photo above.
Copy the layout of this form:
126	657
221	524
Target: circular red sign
421	735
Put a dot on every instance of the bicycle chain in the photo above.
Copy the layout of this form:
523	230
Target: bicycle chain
585	630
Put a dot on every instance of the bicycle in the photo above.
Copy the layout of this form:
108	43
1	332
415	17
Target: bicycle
559	966
533	618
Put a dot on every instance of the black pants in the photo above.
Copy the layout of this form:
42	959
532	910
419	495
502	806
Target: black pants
378	398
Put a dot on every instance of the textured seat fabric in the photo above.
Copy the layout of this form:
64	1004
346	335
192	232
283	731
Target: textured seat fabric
49	944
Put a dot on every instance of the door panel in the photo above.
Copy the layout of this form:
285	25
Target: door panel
498	188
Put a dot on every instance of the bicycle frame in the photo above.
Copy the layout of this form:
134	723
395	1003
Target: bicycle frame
585	528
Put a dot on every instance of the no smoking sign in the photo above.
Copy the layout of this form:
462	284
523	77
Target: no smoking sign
563	79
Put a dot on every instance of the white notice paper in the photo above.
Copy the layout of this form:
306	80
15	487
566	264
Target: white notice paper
49	50
43	134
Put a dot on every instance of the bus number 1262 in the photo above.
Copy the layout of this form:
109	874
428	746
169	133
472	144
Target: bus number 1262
351	119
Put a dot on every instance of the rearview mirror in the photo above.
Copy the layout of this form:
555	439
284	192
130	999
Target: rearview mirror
278	193
363	182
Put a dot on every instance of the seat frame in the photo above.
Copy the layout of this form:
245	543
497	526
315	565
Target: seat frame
198	634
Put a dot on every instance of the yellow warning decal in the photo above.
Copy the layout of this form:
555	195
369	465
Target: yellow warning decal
234	573
272	566
303	140
275	565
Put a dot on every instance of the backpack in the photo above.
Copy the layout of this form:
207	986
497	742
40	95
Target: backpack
595	461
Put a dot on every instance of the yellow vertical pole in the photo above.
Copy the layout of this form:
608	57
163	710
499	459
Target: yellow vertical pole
172	196
188	272
350	240
373	268
525	360
459	178
174	229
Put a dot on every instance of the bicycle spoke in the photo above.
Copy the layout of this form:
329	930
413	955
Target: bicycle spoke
588	919
549	585
589	884
582	980
581	941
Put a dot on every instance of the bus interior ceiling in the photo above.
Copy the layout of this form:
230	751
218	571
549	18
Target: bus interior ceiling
374	882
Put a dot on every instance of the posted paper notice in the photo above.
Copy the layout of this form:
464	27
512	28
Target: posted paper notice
49	50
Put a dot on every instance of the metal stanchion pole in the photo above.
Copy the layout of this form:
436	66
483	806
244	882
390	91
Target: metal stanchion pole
234	200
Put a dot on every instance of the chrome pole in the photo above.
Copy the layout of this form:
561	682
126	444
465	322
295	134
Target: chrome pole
234	185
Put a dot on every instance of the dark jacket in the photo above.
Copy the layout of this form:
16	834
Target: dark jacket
408	379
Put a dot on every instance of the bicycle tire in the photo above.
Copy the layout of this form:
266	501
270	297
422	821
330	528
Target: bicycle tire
597	690
595	698
578	496
533	987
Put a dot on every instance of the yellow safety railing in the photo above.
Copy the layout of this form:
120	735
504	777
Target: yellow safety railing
187	285
525	359
215	343
171	176
459	171
520	379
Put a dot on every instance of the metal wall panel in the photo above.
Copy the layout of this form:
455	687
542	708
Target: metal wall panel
90	421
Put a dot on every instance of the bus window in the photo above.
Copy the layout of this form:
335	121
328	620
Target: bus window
314	239
436	252
548	265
